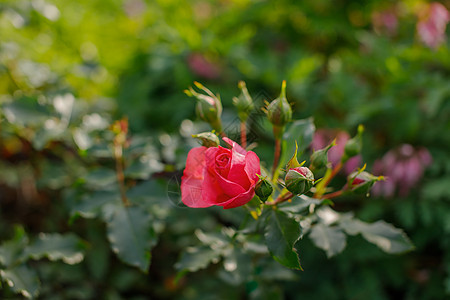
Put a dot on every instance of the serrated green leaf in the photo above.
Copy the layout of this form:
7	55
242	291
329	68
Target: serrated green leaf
22	280
194	259
384	235
281	233
11	251
68	248
330	239
90	206
298	204
100	178
131	235
387	237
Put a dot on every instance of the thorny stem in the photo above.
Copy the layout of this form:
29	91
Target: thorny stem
119	171
333	173
243	135
277	156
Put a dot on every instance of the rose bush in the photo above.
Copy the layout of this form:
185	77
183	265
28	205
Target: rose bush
219	176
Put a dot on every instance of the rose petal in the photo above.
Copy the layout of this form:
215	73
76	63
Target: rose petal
252	166
237	170
234	145
239	200
192	179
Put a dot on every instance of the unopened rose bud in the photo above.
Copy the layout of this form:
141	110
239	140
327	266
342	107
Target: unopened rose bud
243	103
279	111
207	139
209	106
299	180
319	159
362	182
263	189
354	145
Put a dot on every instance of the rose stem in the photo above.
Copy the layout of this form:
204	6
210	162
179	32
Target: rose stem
333	173
119	171
332	195
243	135
277	156
281	198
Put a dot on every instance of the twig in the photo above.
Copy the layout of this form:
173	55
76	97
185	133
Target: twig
277	156
243	135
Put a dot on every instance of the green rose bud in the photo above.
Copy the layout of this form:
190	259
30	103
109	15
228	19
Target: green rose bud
279	112
263	189
243	103
319	159
209	106
299	180
207	139
354	145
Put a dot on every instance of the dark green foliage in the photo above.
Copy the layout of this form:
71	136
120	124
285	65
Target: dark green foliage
69	68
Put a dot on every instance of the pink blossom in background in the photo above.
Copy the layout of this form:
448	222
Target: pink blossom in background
402	167
432	23
385	21
200	66
323	137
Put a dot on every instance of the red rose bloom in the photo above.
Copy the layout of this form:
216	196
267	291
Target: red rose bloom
219	176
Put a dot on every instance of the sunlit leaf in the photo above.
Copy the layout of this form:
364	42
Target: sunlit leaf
331	239
22	280
194	259
68	248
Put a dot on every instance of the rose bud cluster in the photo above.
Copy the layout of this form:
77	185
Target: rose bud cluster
243	103
279	112
299	180
209	106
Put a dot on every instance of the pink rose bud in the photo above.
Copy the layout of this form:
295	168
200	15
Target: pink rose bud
299	180
219	176
362	182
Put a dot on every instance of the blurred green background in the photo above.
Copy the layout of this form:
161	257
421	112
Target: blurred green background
68	68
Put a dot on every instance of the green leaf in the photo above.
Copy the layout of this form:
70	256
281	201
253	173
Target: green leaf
26	112
22	280
302	132
194	259
281	233
68	248
388	238
330	239
131	235
90	205
298	204
100	178
11	251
